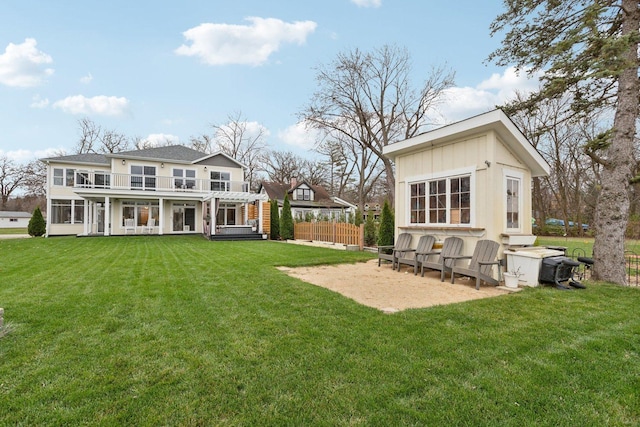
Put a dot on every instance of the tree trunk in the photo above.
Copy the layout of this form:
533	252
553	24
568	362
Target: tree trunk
391	180
612	209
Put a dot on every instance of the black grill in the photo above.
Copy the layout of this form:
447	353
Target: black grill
557	270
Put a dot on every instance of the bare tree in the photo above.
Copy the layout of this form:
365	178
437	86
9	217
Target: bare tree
12	177
282	166
368	98
90	135
35	181
240	139
95	139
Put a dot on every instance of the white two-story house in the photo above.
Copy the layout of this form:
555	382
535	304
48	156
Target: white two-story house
164	190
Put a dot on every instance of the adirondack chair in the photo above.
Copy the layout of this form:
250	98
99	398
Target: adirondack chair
415	256
452	246
480	265
388	252
150	225
129	225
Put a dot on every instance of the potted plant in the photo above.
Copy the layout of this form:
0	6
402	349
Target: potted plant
511	278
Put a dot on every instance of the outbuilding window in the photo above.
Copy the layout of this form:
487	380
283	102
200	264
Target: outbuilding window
441	201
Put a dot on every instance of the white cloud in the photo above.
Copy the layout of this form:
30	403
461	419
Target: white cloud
26	156
300	136
160	139
39	102
367	3
100	105
86	79
18	156
222	44
22	65
464	102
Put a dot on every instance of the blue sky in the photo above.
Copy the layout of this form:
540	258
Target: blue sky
164	70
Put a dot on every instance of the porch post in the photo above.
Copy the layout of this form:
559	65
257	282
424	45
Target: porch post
246	213
86	216
160	216
107	216
259	202
214	216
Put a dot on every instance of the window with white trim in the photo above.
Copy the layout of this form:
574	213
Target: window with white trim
63	177
143	177
441	201
303	194
513	187
220	181
184	178
64	211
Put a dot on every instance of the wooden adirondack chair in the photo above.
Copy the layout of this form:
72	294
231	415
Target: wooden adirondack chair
388	252
415	256
480	265
451	247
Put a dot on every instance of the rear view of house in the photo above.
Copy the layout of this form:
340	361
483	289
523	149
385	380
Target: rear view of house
164	190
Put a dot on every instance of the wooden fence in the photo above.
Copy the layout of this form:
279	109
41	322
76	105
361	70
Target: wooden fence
332	232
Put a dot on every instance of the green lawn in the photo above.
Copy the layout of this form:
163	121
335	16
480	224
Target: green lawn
13	231
181	331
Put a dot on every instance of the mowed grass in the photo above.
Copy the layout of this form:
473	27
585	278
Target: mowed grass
181	331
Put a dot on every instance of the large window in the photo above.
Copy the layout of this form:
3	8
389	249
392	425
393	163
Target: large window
513	186
67	211
445	201
184	178
220	181
143	177
140	212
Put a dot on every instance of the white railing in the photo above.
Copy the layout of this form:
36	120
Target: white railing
121	181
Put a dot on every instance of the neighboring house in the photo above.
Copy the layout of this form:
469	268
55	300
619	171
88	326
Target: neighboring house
11	219
307	200
164	190
372	208
470	179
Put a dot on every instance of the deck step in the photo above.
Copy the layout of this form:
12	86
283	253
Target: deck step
224	237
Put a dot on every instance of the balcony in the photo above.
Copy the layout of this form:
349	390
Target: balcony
119	181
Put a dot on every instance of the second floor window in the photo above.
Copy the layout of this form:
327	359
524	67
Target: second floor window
143	177
63	177
303	194
184	178
220	181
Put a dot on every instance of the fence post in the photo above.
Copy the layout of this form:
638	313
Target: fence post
334	232
361	237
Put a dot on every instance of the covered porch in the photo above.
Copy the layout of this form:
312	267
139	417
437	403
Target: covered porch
217	215
234	216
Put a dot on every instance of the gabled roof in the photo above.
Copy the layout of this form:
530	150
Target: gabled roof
277	191
495	120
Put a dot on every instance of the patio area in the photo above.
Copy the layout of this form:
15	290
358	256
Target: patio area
391	291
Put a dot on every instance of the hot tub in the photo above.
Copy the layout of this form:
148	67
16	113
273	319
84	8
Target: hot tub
527	262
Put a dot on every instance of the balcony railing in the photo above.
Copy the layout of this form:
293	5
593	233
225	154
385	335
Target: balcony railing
120	181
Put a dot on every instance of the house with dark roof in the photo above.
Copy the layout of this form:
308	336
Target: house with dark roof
163	190
308	200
